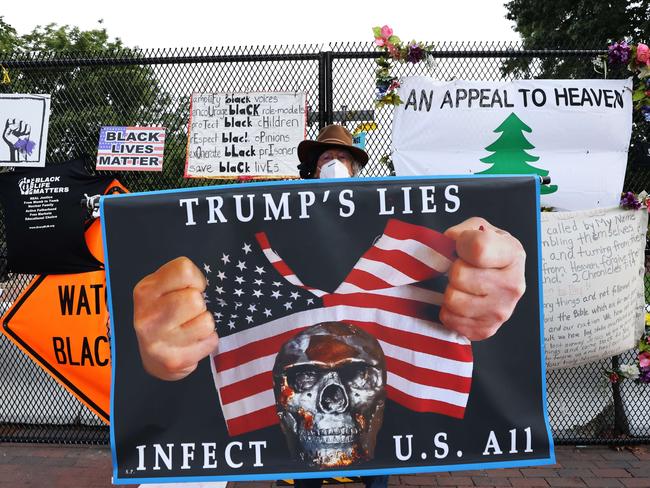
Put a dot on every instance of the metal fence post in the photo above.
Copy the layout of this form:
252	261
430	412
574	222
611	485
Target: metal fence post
325	109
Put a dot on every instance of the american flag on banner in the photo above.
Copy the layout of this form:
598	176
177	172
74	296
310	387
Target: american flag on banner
394	292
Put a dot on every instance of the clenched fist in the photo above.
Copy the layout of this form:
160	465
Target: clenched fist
174	328
485	282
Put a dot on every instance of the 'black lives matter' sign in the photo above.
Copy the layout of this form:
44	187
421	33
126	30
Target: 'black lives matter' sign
131	148
235	135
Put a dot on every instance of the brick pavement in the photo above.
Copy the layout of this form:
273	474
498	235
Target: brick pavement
54	466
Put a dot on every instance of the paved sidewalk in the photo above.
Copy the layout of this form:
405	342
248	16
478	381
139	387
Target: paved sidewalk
54	466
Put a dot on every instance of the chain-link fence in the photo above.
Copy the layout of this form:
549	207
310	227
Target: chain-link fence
152	88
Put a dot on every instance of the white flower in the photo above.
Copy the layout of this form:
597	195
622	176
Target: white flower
629	371
600	64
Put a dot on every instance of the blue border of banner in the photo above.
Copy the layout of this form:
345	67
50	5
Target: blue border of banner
320	474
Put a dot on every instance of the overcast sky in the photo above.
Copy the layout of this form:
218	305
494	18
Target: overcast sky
190	23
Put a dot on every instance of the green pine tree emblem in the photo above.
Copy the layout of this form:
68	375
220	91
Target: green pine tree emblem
509	154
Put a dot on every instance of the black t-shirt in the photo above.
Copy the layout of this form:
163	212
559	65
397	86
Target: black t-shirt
45	219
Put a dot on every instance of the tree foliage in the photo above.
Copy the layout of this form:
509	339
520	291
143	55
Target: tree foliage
87	96
578	24
573	24
8	38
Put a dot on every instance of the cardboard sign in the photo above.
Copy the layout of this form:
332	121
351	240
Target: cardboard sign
593	267
556	128
131	148
331	360
235	135
24	125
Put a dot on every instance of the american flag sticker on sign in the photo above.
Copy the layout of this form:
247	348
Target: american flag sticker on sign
131	148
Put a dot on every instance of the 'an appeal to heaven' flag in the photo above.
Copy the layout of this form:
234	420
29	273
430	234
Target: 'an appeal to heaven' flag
332	359
577	132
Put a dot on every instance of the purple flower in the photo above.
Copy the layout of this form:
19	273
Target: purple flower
629	200
415	54
645	375
645	112
619	53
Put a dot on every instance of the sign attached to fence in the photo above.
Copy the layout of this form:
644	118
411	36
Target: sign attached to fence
333	362
24	123
234	135
593	264
556	128
45	220
131	148
61	322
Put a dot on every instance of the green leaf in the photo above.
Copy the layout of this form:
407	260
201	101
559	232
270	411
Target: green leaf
394	99
376	31
383	61
394	40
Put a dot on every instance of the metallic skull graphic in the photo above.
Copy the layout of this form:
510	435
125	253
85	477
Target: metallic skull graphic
329	384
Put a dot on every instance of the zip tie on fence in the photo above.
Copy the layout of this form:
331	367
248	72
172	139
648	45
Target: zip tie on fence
91	203
5	76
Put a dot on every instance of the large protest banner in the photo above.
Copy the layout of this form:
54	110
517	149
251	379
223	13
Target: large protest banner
556	128
282	260
232	135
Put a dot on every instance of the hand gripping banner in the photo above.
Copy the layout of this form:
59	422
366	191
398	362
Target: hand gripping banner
366	326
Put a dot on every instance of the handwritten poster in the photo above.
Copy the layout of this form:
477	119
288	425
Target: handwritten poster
131	148
24	124
554	128
245	134
592	270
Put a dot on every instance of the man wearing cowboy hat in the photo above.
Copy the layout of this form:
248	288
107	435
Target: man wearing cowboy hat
332	155
318	159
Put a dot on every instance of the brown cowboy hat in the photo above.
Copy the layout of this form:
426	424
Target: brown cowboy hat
329	137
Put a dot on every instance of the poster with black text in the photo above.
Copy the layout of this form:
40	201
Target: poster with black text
334	358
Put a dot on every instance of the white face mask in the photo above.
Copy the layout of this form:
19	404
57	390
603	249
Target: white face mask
334	169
